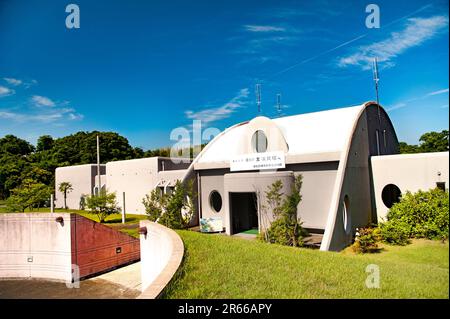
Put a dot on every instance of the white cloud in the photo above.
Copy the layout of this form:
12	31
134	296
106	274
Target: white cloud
48	116
221	112
42	101
396	106
264	28
438	92
4	91
76	116
416	32
13	81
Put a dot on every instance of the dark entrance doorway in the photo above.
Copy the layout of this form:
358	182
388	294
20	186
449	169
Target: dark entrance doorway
243	211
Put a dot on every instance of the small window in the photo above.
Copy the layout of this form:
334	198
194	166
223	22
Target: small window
215	201
441	185
259	142
390	195
384	139
346	217
377	133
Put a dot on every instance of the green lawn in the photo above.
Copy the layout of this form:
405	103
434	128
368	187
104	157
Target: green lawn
225	267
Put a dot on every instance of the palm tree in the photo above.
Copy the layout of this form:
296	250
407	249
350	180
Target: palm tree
65	187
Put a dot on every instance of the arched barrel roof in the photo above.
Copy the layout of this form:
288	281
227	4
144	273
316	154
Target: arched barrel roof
309	133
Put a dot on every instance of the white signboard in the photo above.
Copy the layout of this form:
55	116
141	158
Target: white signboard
258	161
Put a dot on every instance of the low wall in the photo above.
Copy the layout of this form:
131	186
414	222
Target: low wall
162	251
39	246
22	255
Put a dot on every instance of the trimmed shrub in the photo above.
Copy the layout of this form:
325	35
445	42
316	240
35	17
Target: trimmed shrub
366	240
395	232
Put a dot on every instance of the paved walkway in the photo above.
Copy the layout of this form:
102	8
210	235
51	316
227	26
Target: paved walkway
121	283
41	289
128	276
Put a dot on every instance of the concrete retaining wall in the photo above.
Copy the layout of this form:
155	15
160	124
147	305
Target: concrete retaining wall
162	251
21	255
37	245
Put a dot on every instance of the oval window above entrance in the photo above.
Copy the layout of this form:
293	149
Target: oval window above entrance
259	142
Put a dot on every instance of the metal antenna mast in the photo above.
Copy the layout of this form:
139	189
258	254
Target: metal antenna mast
98	165
258	96
376	78
279	104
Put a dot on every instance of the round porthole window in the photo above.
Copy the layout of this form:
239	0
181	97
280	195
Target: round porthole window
346	217
259	142
215	201
390	195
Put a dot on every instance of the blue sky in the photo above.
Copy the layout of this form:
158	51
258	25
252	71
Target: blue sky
143	68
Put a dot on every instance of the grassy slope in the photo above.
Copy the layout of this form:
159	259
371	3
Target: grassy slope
226	267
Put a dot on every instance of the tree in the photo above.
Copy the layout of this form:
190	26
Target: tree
286	228
174	210
44	143
429	142
154	204
405	148
434	142
15	146
102	205
65	187
30	194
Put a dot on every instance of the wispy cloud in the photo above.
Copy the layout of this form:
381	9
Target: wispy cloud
4	91
217	113
396	106
417	98
438	92
39	100
12	81
48	116
415	33
264	28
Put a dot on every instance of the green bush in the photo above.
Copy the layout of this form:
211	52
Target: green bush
419	215
285	232
395	232
174	210
366	240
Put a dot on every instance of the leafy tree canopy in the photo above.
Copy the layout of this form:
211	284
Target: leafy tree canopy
429	142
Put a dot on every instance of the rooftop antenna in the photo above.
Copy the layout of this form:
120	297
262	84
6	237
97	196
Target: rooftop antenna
279	104
258	96
376	78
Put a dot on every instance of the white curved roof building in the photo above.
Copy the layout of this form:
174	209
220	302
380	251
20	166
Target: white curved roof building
330	149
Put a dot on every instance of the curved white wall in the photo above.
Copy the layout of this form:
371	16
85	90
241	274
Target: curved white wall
162	251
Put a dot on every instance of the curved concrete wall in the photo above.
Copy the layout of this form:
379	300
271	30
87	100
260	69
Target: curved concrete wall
21	255
354	177
162	251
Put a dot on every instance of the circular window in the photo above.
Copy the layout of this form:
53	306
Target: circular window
390	195
259	141
346	217
215	201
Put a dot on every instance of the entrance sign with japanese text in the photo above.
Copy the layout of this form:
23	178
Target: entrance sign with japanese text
258	161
